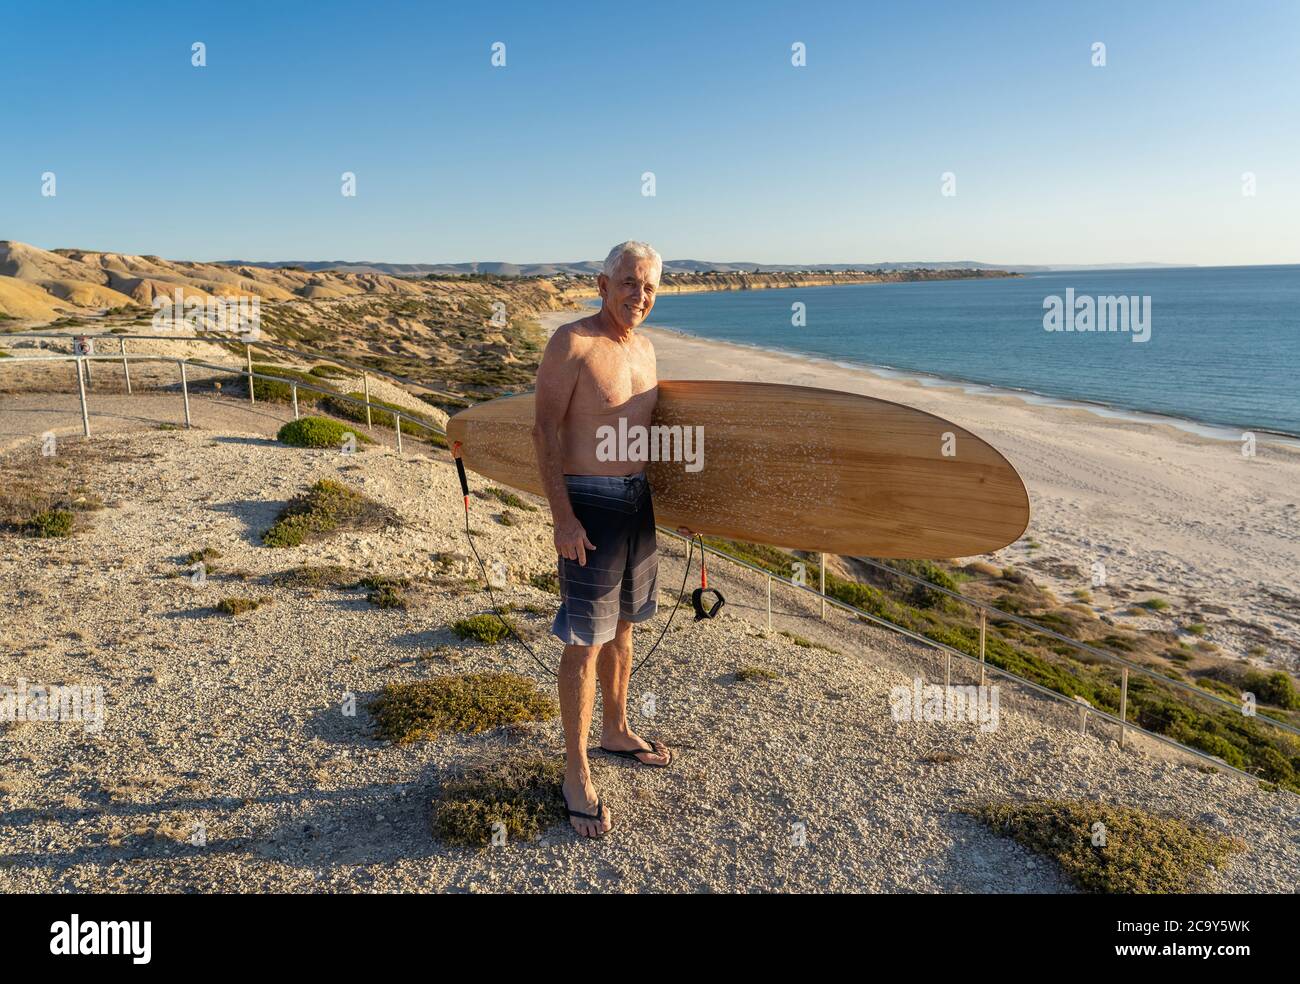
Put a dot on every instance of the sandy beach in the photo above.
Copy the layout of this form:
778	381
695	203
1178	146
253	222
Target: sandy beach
1168	512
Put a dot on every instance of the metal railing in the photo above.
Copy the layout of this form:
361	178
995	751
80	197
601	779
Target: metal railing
411	417
985	610
216	338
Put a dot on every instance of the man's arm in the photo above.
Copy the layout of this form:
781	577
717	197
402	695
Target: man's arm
557	377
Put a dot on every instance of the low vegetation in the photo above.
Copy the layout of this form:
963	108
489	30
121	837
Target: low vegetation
489	629
414	423
518	797
1221	731
755	674
328	507
45	497
318	432
315	576
386	592
462	703
546	581
508	498
50	523
803	643
275	391
239	606
1113	849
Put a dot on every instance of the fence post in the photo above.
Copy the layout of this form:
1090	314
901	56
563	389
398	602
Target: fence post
1123	704
185	390
365	379
984	618
769	603
126	366
248	351
822	560
293	388
397	426
81	388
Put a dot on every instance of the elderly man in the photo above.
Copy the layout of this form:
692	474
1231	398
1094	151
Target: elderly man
595	371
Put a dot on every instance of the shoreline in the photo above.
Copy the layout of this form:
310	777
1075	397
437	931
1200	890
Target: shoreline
1164	507
1109	411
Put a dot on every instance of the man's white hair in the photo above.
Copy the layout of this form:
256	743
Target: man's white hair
642	251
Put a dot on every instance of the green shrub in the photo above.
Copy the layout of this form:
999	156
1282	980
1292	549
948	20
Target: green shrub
317	432
462	703
51	523
482	628
387	597
327	507
274	391
238	606
1144	853
327	371
383	418
546	581
1275	688
748	674
509	499
523	795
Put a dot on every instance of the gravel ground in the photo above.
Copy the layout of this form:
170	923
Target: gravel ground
237	724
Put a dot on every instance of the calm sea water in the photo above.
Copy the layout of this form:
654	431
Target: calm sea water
1224	343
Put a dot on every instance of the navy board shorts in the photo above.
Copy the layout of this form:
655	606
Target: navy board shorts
618	580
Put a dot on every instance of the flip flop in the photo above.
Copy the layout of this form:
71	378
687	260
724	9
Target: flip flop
656	748
586	816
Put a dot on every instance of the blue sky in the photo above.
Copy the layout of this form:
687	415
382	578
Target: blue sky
1056	161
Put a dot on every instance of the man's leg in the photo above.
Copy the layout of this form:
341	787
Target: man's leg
577	693
614	666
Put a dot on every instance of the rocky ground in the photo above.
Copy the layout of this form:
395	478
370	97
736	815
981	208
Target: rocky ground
238	727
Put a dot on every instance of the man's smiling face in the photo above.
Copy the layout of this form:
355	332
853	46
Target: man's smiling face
630	293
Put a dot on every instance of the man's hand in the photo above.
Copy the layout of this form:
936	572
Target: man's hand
571	541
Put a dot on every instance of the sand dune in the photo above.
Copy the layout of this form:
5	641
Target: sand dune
87	281
19	299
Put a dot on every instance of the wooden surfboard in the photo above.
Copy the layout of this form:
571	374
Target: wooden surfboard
797	467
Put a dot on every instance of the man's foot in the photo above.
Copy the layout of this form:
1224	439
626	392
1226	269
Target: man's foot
628	744
588	815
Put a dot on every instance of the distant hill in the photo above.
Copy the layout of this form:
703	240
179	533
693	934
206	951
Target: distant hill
591	267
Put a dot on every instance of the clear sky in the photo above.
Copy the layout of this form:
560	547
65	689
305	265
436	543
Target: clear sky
1056	161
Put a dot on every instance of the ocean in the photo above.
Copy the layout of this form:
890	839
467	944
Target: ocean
1222	344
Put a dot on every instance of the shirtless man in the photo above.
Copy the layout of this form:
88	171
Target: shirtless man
593	372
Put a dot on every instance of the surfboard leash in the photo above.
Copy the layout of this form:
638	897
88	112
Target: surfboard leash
700	612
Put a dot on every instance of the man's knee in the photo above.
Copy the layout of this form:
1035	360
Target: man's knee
579	656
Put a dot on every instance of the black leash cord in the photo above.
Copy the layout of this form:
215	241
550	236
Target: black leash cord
690	551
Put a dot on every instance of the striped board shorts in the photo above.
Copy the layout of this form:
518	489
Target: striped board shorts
618	580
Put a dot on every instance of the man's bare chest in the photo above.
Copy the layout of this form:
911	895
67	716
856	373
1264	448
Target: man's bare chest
613	376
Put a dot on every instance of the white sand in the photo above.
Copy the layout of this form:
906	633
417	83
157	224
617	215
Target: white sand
1168	512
